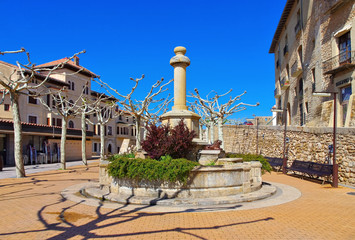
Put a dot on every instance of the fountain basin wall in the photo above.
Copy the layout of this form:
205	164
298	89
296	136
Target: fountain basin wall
204	182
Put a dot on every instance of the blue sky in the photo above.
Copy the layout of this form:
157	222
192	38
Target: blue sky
227	41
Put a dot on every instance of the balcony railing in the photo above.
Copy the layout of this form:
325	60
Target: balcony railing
343	61
284	83
277	93
285	50
296	69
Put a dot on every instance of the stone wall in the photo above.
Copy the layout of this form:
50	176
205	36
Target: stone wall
308	144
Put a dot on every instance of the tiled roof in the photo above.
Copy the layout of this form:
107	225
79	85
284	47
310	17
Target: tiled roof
281	25
39	75
70	65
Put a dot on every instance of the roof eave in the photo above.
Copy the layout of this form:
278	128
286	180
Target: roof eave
280	26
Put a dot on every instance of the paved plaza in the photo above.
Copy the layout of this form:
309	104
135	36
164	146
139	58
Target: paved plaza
33	208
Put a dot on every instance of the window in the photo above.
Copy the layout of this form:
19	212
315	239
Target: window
59	122
345	96
105	130
48	100
48	121
53	121
69	85
32	119
298	24
109	130
344	49
71	124
127	119
6	107
118	130
98	129
86	127
120	117
95	147
313	80
132	132
32	100
286	46
301	114
300	55
300	88
94	128
134	120
72	86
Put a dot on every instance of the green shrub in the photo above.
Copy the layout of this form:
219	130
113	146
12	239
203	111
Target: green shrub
252	157
165	170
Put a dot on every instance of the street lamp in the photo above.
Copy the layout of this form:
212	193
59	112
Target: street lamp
284	162
335	165
257	134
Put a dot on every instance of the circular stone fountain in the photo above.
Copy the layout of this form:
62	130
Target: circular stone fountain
232	182
207	185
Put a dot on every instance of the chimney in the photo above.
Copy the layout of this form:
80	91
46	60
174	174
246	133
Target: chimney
76	60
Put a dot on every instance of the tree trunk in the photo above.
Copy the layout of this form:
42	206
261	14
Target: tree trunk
212	131
220	131
20	169
102	141
207	134
63	139
83	138
138	136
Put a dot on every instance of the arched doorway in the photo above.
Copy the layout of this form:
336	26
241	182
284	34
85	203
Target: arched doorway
109	149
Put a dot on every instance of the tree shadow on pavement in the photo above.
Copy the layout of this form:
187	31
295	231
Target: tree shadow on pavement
65	228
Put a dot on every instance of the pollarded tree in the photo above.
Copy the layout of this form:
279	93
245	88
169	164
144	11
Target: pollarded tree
207	120
88	107
65	107
19	82
140	109
221	111
105	109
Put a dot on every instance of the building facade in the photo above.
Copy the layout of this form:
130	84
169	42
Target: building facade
313	48
42	128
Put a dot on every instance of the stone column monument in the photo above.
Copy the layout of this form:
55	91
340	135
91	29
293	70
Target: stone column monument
179	110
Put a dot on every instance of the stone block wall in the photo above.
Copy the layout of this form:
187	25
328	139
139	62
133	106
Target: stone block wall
307	144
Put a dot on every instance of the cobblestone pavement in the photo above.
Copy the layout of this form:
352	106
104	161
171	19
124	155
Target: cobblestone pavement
32	208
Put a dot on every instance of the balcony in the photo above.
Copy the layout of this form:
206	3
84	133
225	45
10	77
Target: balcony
277	93
296	69
285	50
284	83
341	62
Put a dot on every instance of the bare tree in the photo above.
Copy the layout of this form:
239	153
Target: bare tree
105	109
65	107
140	108
87	108
19	82
221	111
208	121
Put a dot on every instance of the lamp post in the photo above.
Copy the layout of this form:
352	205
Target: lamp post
257	134
335	165
284	162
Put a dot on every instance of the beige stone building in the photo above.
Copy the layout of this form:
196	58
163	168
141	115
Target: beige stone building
40	126
313	47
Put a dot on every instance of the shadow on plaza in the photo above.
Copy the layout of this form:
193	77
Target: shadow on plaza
66	229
